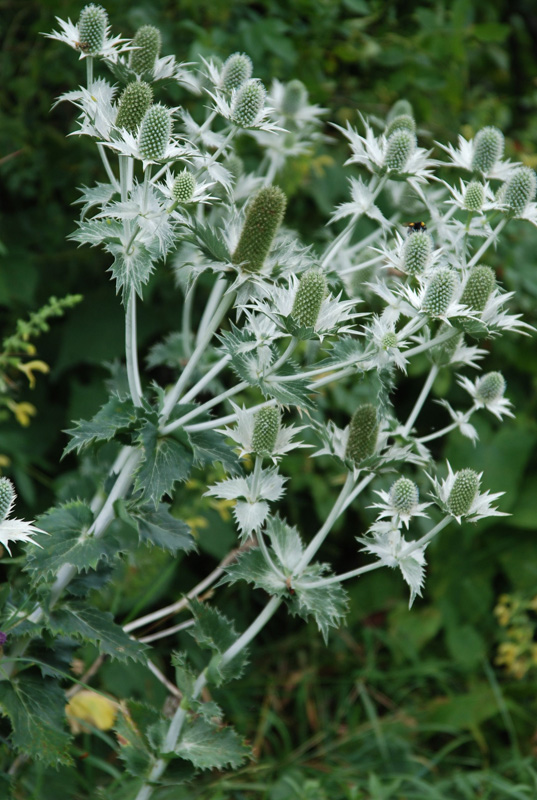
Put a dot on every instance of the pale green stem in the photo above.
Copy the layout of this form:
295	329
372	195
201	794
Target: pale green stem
216	155
448	428
207	122
179	423
131	351
89	72
285	355
271	173
422	397
212	303
175	393
104	158
176	725
186	319
486	244
421	348
425	539
160	172
216	423
362	265
260	539
345	576
357	490
207	378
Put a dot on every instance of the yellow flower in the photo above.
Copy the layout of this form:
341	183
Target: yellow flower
23	412
86	706
29	367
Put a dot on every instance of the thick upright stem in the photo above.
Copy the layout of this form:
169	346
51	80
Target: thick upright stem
131	351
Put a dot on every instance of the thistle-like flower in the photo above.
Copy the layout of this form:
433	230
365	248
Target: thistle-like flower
13	530
401	503
237	70
439	292
155	132
254	429
246	107
363	434
417	252
459	495
518	193
263	218
487	392
473	196
400	146
183	187
91	35
488	149
401	122
309	298
147	43
133	104
482	154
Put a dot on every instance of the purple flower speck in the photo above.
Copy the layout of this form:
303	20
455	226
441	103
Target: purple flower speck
3	638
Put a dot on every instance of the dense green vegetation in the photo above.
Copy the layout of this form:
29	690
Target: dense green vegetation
402	705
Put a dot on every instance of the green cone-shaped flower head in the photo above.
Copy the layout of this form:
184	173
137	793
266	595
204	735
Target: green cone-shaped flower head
440	291
263	218
490	387
148	41
488	148
479	286
309	297
463	492
295	97
417	251
402	122
237	70
474	196
183	187
92	25
400	147
266	428
519	190
363	432
400	108
7	497
133	103
248	103
155	132
389	340
404	495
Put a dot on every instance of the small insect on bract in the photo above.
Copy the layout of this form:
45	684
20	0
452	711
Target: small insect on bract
414	227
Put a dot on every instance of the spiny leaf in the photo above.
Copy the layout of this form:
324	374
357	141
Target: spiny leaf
210	747
36	710
159	528
96	626
167	459
117	415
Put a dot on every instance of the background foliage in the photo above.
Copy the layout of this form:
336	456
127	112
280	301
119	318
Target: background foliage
403	704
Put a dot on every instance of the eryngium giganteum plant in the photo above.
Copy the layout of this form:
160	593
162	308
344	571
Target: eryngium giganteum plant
282	320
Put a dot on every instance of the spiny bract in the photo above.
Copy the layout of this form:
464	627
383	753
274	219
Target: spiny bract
463	492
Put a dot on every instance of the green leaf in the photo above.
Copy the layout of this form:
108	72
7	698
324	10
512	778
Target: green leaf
95	231
184	677
92	625
215	632
98	195
285	542
36	710
209	241
68	525
210	747
166	460
157	527
117	415
326	604
131	271
252	568
209	447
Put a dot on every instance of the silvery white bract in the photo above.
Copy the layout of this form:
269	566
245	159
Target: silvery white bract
243	433
252	496
98	109
481	506
398	517
14	530
500	406
70	35
463	157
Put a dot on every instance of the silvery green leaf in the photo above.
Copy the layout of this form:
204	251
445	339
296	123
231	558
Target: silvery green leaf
96	231
98	195
131	271
286	543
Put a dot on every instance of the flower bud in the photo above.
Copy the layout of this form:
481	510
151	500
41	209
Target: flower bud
147	40
490	387
488	148
263	218
519	189
266	429
400	147
400	108
248	103
363	432
92	25
309	297
7	497
479	286
294	98
474	196
389	340
237	70
155	132
417	251
404	495
133	103
439	292
463	492
183	187
402	122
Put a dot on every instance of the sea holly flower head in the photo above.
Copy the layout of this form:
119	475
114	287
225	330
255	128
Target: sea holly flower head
487	392
246	107
389	345
237	69
248	438
146	49
481	154
475	196
363	434
290	105
305	300
413	254
401	503
400	122
91	35
458	495
13	530
133	104
154	142
264	216
518	193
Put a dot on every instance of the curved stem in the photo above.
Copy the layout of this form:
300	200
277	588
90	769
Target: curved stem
179	423
418	405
